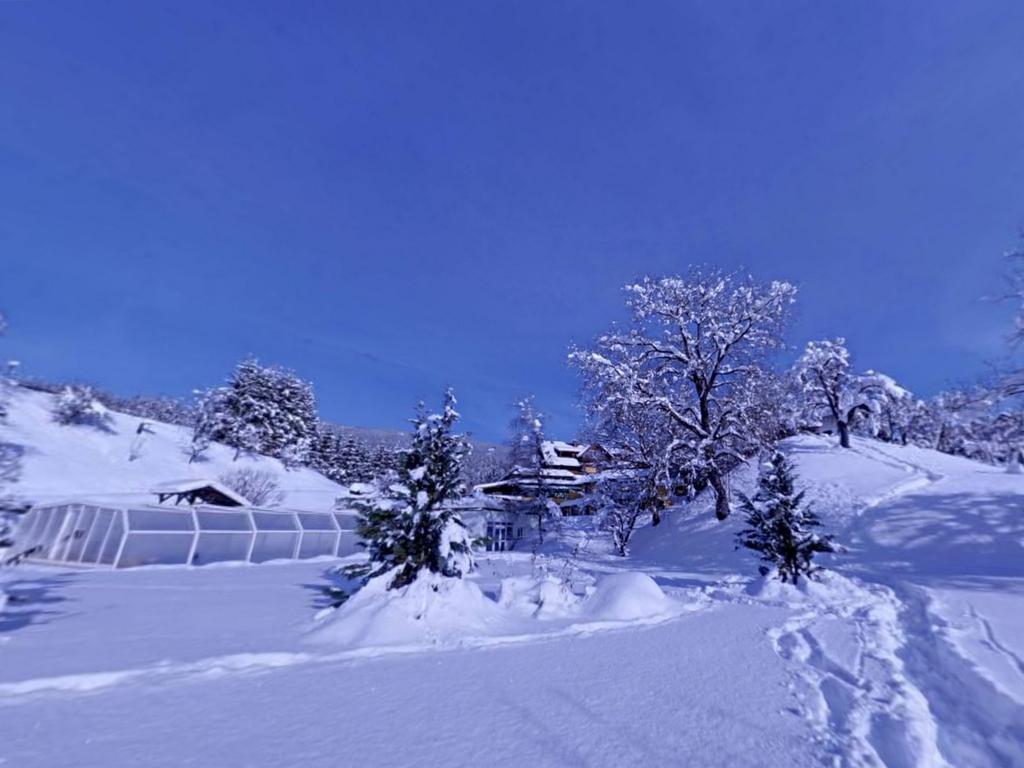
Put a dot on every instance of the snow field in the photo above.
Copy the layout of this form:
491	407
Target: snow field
907	653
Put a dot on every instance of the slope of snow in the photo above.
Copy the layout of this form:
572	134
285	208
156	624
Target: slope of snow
62	462
907	652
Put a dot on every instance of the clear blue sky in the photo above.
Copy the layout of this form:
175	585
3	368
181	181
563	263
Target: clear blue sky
389	197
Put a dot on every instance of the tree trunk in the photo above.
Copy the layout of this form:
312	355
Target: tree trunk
721	495
844	433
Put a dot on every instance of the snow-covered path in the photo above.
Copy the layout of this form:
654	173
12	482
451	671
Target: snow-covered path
950	548
904	664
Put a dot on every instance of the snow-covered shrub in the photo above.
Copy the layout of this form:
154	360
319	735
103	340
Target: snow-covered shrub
77	405
778	524
411	527
259	486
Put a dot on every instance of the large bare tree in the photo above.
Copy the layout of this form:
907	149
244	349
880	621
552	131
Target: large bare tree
693	345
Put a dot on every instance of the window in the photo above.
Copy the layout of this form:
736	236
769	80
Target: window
499	537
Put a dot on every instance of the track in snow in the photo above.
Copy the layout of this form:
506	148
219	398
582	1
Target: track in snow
879	679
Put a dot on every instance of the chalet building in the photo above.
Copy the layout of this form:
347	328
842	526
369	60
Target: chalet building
567	474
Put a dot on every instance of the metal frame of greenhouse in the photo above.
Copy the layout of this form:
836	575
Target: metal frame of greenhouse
83	533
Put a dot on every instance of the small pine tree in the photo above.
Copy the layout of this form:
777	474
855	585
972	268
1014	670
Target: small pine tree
412	526
779	526
76	405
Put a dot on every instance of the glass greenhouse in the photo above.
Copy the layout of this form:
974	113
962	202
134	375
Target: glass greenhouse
124	537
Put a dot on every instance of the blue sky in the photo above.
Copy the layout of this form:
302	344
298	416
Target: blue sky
390	197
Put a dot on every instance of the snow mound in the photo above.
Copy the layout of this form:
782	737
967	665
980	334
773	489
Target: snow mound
627	597
442	612
433	610
544	598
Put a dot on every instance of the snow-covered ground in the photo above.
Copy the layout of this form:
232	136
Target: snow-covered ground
908	652
119	465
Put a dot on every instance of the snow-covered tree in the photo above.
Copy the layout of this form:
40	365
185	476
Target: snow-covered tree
779	526
485	465
411	526
77	405
168	410
356	460
211	418
637	485
832	391
384	460
526	455
693	345
265	410
258	486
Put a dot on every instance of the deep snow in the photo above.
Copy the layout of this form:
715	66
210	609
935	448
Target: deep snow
908	653
62	462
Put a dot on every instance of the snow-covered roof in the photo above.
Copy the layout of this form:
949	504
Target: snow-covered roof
173	487
553	451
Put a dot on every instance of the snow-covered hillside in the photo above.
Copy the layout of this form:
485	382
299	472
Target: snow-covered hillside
909	652
75	461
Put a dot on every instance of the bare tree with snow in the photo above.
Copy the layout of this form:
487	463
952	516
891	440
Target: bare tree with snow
693	344
526	455
831	389
258	486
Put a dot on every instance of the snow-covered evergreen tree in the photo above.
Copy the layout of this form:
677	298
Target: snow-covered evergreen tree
486	465
779	526
355	460
832	391
411	527
77	405
324	454
265	410
690	352
384	460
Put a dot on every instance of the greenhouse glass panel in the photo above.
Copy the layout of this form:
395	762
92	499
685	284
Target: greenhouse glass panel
274	521
86	518
39	530
316	543
114	538
160	520
316	521
94	544
274	545
348	544
28	530
221	547
155	549
345	522
223	521
67	533
54	536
